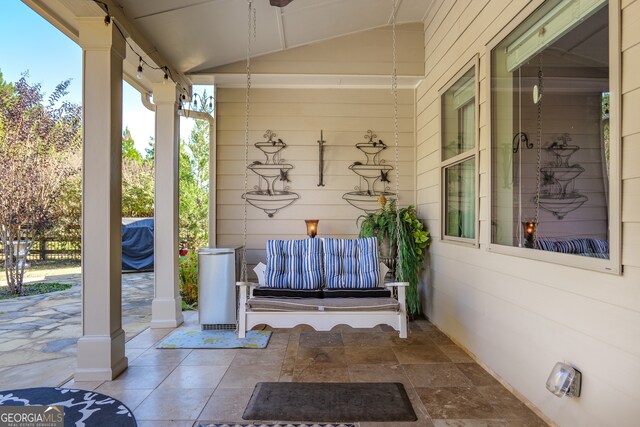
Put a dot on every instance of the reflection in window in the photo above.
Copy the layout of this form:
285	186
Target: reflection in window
550	131
460	184
458	155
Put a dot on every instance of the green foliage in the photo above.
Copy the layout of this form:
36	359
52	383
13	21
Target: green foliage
194	185
413	243
35	289
39	142
150	151
188	274
138	180
138	183
129	151
67	209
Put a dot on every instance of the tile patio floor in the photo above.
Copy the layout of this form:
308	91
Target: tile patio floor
178	387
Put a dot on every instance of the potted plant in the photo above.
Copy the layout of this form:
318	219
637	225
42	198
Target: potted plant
413	243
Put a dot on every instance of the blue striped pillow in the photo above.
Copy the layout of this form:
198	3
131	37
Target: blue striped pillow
294	264
351	264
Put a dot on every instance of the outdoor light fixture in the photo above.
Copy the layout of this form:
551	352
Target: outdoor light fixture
564	380
208	101
312	227
529	228
279	3
139	74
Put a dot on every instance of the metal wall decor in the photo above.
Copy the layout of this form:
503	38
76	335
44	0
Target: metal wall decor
557	193
374	176
521	139
321	142
273	170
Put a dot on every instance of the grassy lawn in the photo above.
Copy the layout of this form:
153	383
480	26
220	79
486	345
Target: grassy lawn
40	270
34	289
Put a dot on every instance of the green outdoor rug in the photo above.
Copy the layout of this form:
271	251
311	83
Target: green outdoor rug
197	338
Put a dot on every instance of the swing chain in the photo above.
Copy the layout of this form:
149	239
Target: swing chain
394	89
539	137
250	24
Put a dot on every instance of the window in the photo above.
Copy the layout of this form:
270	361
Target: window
459	148
550	100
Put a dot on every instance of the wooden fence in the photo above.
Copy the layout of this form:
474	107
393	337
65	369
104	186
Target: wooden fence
53	247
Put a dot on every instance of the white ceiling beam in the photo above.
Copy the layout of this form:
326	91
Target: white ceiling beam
130	30
293	81
54	18
174	9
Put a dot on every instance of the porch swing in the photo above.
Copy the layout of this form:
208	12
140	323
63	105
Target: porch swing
323	282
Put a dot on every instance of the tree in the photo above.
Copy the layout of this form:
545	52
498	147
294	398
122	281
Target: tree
137	188
36	140
194	184
129	150
137	192
137	180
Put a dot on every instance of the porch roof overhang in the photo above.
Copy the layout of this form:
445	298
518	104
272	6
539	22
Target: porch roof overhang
197	37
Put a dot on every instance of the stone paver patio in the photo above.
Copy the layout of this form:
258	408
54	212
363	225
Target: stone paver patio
38	333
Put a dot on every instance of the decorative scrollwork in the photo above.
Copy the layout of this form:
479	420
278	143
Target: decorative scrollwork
269	134
273	170
374	175
370	135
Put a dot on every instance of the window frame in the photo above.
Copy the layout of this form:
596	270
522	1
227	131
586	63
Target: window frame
613	265
460	158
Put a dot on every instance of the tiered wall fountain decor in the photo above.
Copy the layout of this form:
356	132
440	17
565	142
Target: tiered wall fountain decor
265	196
557	194
374	173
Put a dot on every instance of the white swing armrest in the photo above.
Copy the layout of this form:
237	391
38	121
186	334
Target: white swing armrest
396	284
402	300
246	290
247	284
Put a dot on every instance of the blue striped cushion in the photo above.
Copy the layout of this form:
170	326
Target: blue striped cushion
546	245
351	264
585	247
294	264
599	246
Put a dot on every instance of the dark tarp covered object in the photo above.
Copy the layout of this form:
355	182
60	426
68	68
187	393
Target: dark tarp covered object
137	245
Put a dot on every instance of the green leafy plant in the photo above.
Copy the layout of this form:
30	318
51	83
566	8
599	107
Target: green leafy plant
413	242
188	274
34	289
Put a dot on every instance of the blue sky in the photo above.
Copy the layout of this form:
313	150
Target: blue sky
29	43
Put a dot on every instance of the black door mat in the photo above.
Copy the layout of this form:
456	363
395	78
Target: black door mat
329	402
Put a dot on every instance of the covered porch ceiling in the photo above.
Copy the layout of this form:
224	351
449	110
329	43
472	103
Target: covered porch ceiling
194	37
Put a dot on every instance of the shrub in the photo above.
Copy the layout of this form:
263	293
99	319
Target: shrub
189	280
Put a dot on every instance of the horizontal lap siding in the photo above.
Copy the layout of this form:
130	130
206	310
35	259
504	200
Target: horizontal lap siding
520	316
297	116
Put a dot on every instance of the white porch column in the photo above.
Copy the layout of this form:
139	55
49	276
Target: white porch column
166	310
101	348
